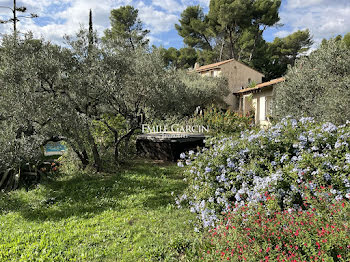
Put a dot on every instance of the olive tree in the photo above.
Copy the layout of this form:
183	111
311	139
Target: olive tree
202	91
22	122
58	93
317	86
149	90
42	97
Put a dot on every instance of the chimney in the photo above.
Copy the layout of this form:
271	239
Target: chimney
196	66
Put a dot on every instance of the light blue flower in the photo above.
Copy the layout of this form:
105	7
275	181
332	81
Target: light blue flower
327	176
329	127
207	169
180	164
284	157
339	197
347	158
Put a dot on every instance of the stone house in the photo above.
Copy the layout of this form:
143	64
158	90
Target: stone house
258	99
239	76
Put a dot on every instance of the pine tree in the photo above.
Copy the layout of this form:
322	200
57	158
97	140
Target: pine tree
91	36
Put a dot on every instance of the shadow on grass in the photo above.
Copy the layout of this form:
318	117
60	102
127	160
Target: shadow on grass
144	185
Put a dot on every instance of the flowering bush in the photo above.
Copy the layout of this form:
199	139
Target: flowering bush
280	160
253	234
220	122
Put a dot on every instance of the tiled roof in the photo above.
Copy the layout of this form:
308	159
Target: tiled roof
259	86
218	64
211	66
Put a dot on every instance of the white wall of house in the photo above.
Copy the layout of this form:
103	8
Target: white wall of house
261	102
255	105
262	108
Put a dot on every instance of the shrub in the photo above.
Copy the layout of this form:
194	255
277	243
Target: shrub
221	123
317	86
200	91
278	160
255	234
19	154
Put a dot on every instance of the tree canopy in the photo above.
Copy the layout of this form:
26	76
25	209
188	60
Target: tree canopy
126	28
226	23
317	86
234	29
51	92
283	52
194	28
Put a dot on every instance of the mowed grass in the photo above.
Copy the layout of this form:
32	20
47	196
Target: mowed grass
126	216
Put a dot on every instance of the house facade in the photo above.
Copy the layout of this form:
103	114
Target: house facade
258	99
239	76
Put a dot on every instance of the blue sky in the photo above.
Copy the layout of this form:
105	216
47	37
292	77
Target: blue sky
324	18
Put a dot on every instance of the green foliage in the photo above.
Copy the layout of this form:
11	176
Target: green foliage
194	28
283	52
187	57
126	29
105	140
230	18
183	58
206	57
170	56
124	216
234	29
224	31
317	85
220	122
23	129
346	40
282	160
102	132
65	93
256	234
200	91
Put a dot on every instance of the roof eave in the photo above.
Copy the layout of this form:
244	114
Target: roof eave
208	69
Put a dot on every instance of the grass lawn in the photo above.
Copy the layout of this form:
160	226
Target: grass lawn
126	216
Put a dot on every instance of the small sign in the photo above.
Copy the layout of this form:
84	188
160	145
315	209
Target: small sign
54	149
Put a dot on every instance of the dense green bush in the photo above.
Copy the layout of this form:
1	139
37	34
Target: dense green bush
254	233
220	122
18	154
278	160
200	91
317	86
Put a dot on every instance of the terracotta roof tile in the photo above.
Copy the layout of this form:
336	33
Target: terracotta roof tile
218	64
211	66
259	86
